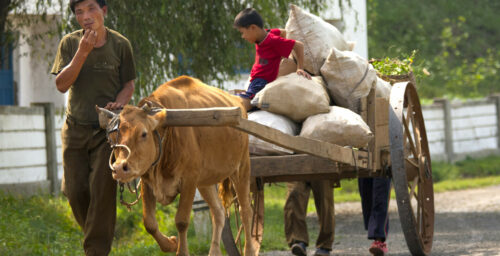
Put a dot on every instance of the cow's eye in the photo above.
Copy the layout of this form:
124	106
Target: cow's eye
144	134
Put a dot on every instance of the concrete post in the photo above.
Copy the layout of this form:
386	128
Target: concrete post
50	145
448	129
496	99
201	218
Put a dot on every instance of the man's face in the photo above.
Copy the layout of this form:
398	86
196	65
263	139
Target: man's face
249	33
90	15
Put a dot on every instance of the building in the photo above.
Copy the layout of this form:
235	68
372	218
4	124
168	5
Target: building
24	73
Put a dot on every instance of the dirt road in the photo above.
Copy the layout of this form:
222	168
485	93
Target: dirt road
467	222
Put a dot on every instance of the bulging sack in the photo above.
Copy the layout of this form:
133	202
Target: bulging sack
340	126
349	77
317	35
284	124
293	96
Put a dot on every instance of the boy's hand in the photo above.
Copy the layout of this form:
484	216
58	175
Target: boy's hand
303	73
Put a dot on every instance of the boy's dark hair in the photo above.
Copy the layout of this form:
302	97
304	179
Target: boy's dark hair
248	17
72	4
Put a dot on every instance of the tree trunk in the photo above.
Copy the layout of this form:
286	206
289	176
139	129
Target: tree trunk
4	11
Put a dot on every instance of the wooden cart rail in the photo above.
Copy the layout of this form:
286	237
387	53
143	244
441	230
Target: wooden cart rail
231	116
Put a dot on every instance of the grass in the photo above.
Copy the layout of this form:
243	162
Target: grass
44	225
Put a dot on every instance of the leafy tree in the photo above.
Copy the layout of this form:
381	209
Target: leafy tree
18	14
457	42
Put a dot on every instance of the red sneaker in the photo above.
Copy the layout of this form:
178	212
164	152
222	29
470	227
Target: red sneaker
378	248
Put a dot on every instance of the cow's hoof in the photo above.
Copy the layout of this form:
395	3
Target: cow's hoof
169	244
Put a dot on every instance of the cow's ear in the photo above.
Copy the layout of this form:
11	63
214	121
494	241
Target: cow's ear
104	116
160	118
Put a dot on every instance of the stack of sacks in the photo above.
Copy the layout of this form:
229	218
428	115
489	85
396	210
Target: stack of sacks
348	78
340	126
293	96
317	35
281	123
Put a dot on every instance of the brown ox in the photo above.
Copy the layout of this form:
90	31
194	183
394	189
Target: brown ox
192	157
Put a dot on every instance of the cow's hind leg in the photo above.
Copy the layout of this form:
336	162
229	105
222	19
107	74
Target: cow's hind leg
167	244
217	212
241	181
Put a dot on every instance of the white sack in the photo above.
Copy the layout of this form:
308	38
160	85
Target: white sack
293	96
383	89
317	35
349	77
341	127
285	125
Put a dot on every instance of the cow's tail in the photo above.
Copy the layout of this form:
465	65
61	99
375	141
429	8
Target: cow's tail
226	194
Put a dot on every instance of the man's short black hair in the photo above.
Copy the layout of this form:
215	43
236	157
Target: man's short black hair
72	3
248	17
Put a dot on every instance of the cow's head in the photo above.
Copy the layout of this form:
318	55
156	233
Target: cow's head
134	138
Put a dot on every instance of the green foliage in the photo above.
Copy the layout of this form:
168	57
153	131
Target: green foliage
467	168
457	41
394	66
39	225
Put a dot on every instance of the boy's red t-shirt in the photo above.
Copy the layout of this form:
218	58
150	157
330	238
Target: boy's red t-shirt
268	54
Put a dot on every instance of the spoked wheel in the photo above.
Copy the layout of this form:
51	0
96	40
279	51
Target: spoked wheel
232	234
411	168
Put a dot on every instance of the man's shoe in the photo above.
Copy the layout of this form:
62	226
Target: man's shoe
322	252
378	248
299	249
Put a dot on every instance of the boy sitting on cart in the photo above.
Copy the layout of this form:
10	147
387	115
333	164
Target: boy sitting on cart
270	47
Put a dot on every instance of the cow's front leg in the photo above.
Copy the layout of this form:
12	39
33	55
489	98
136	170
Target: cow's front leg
167	244
183	215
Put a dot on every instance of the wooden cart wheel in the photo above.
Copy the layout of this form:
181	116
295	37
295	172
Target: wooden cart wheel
411	168
232	234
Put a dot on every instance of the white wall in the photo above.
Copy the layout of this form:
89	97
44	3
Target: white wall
22	145
32	63
474	128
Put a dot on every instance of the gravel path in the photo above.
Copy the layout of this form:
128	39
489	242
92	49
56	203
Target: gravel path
467	222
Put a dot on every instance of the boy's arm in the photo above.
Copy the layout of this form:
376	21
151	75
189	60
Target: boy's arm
299	54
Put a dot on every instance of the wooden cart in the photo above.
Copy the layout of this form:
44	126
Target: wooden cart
399	150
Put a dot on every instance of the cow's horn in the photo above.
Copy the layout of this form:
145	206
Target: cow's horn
151	108
146	107
108	113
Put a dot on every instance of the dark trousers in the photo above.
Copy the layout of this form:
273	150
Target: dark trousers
375	195
296	209
88	185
